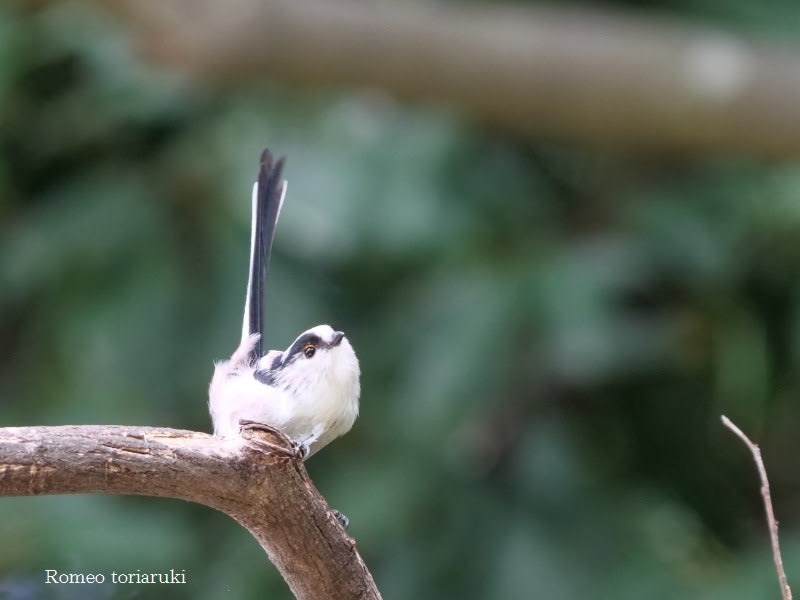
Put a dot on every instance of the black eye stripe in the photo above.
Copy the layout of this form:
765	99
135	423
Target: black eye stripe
302	342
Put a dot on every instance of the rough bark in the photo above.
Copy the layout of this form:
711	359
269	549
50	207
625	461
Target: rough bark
271	496
570	74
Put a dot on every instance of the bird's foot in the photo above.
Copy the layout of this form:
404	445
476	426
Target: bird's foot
302	450
341	517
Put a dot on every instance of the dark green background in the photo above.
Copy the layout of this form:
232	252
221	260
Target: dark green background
547	334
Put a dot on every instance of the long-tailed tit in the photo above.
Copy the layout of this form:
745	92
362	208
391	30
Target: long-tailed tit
308	391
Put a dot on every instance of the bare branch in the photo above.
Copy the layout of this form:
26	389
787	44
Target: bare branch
272	497
786	592
571	74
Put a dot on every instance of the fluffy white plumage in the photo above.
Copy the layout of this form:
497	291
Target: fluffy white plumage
309	391
313	399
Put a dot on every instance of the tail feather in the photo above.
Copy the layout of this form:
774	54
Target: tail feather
267	200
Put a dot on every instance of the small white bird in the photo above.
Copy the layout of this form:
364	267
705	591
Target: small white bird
310	390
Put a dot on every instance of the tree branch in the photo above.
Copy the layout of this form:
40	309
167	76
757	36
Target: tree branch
272	497
772	523
567	74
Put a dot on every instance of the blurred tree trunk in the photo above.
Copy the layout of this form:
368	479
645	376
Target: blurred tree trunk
574	75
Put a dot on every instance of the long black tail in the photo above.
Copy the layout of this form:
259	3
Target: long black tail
268	194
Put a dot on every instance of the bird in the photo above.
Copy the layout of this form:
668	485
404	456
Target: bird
310	391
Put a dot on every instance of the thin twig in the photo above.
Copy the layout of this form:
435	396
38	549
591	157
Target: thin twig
786	591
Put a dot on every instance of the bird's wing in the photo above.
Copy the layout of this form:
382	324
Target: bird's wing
268	194
266	367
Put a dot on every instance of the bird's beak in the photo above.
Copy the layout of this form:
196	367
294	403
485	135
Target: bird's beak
338	336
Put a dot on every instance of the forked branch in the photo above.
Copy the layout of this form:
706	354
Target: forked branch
271	496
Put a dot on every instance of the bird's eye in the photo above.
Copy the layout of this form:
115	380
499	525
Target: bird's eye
309	351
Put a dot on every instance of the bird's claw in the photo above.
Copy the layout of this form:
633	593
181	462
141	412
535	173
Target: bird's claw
301	450
341	517
293	452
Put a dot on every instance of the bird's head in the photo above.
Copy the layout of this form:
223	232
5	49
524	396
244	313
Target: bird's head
318	357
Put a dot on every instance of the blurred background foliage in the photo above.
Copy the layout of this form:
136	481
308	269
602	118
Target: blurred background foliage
548	334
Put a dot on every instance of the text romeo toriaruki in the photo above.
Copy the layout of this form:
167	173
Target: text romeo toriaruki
137	577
